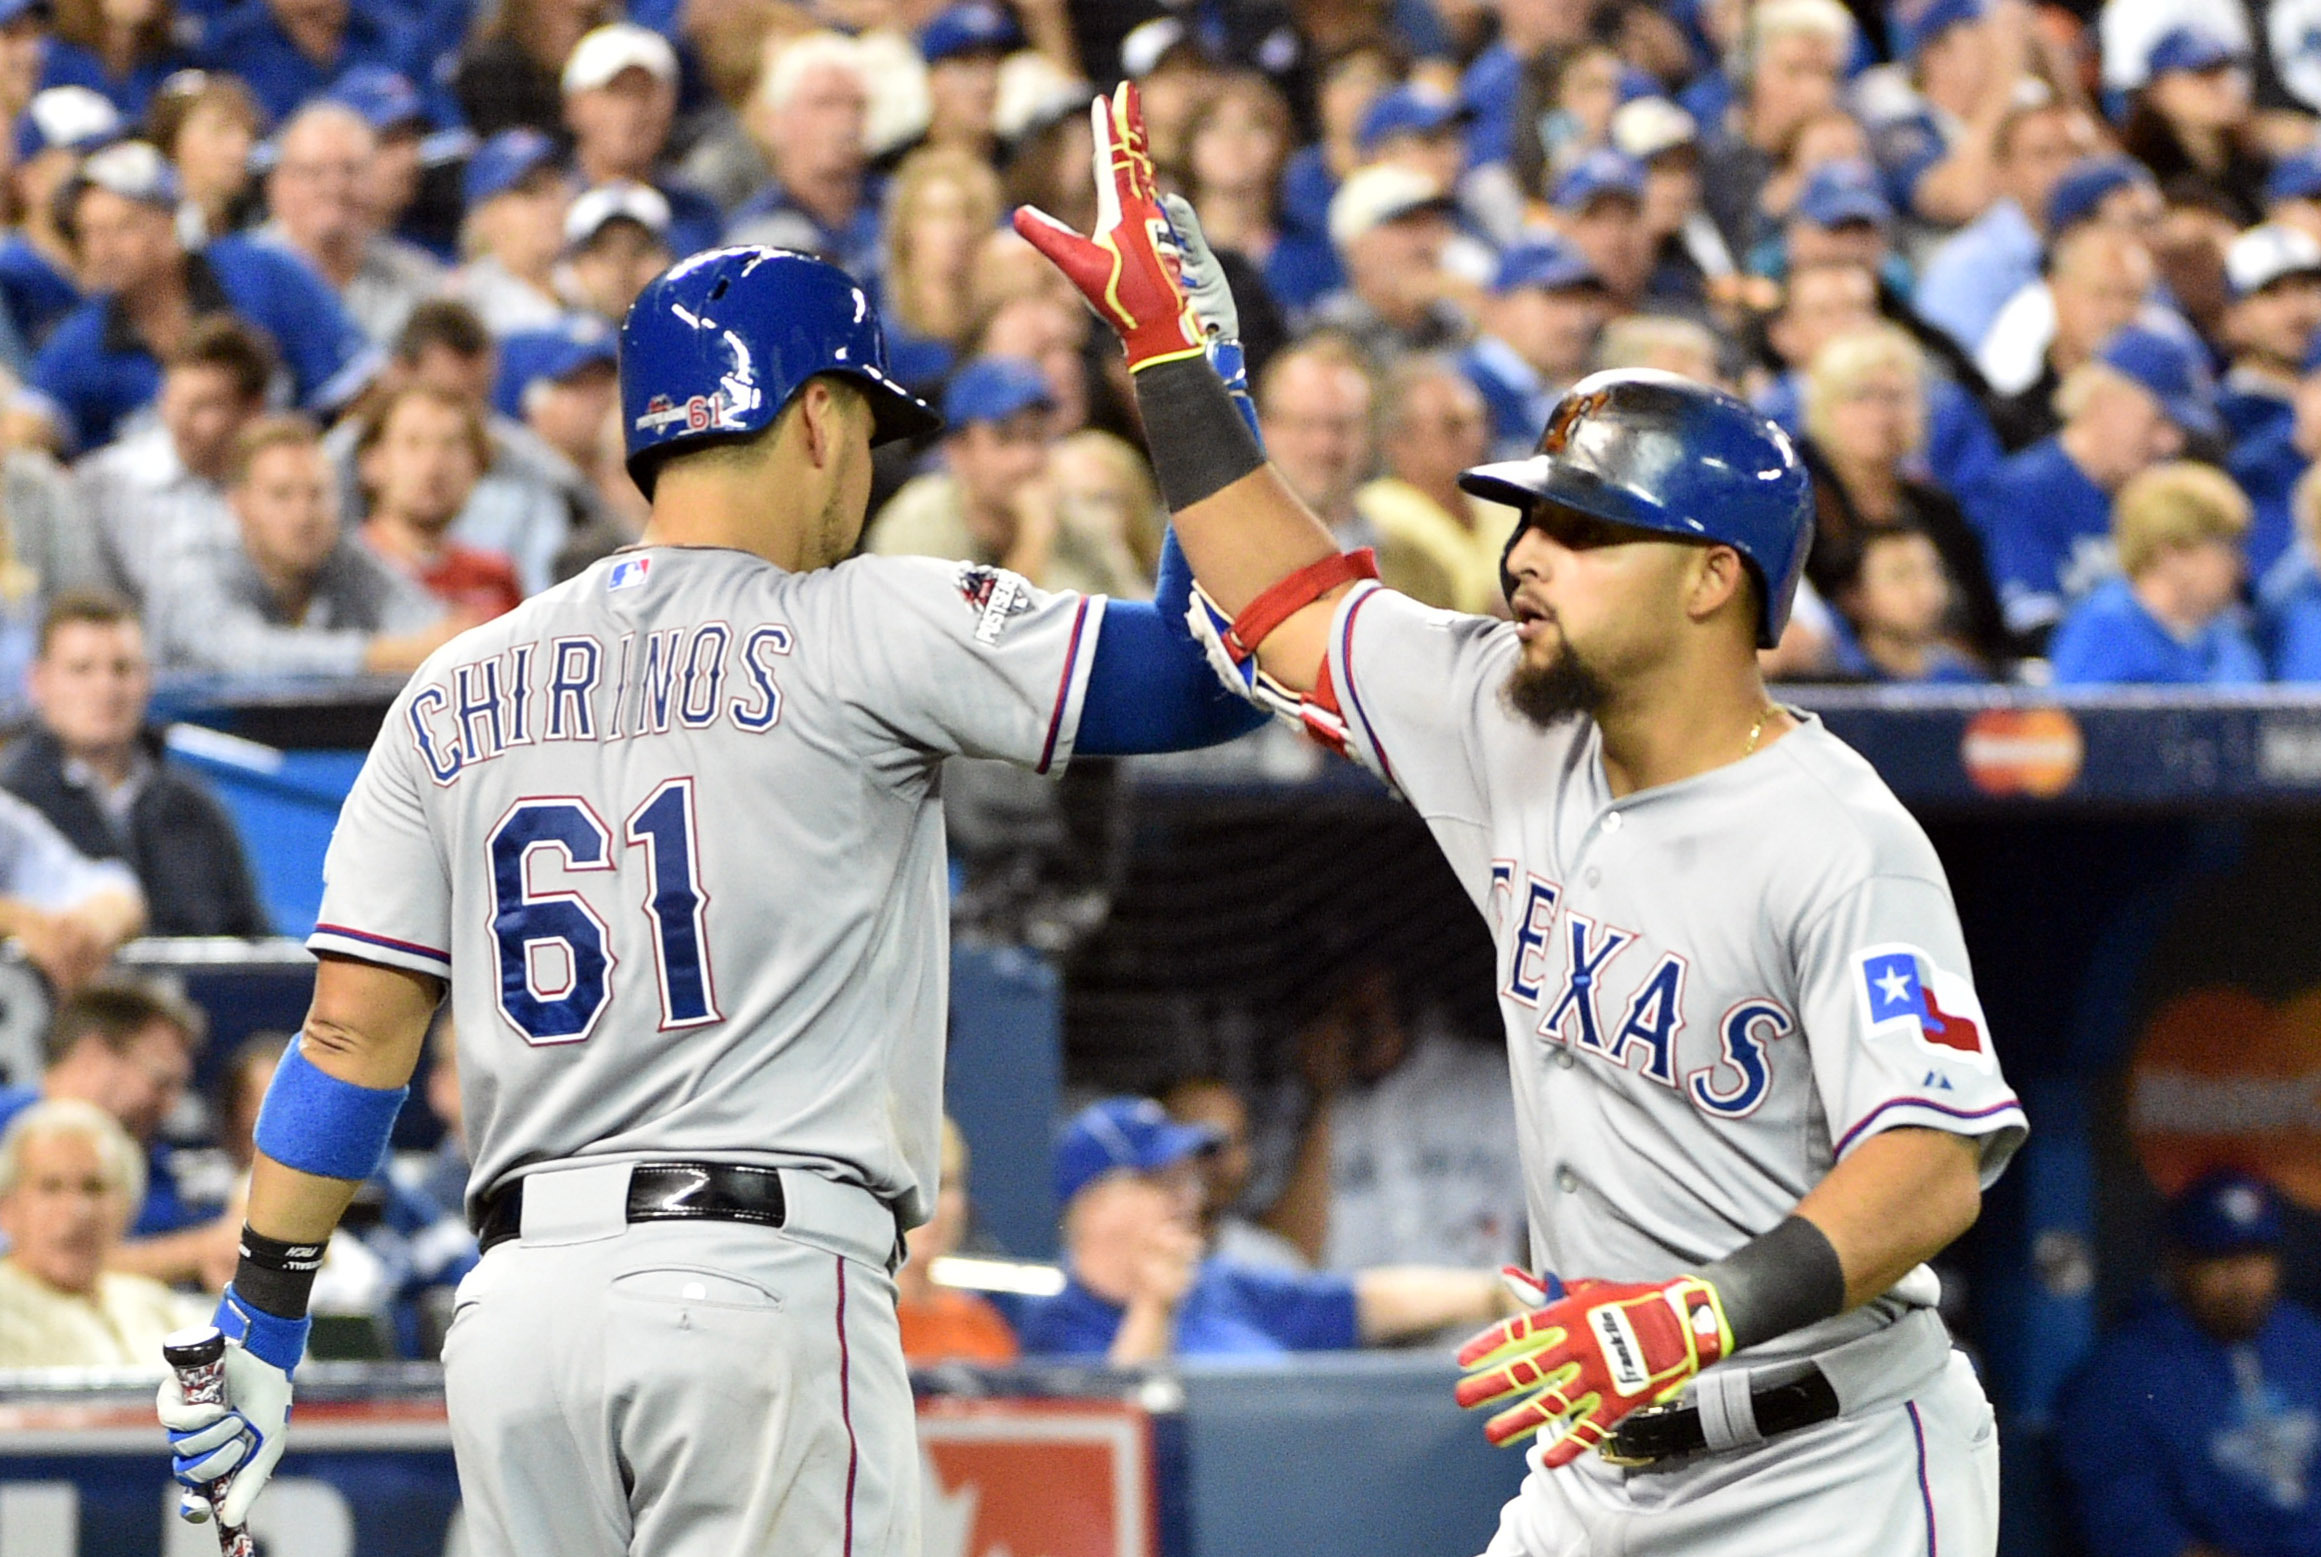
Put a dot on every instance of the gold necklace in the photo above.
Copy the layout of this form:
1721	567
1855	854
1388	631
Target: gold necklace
1758	729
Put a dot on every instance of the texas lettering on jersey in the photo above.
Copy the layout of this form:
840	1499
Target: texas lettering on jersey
578	687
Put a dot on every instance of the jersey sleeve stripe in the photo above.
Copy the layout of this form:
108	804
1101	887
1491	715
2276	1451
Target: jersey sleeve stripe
379	948
1370	738
1064	684
1996	1112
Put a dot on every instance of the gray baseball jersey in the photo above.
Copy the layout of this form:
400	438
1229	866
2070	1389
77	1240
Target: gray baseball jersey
672	831
1712	990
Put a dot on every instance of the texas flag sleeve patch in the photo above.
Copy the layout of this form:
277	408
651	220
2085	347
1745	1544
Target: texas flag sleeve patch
1905	995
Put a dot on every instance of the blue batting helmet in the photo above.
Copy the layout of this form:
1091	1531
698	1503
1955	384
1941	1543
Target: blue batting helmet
715	346
1659	452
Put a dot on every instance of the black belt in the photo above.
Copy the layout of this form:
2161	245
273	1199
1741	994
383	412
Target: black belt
1667	1431
662	1192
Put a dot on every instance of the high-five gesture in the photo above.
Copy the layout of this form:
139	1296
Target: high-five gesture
1126	268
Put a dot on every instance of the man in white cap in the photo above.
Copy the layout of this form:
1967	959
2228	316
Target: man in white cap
616	238
2274	273
620	99
1390	225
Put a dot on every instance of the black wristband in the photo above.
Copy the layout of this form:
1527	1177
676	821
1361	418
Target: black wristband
1783	1281
276	1276
1199	443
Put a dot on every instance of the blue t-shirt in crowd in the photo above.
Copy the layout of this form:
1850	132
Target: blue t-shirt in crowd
2048	535
165	1209
2169	1438
2109	639
1488	91
1230	1311
248	41
771	216
98	371
2267	466
36	294
2289	618
69	64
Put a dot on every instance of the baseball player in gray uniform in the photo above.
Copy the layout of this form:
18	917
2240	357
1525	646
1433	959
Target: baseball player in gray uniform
670	834
1755	1090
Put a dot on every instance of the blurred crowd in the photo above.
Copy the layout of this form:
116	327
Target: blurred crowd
307	306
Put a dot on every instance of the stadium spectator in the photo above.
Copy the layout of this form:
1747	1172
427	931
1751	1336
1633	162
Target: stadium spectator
2293	191
393	182
1895	600
1040	329
163	486
291	50
2098	282
104	361
291	594
1353	77
66	913
1841	217
319	196
2143	1474
620	102
208	125
2173	616
809	116
1106	496
1796	50
532	506
69	1181
1390	226
1685	347
963	46
940	204
420	455
2111	192
2289	596
123	49
128	1049
1235	148
1689	255
509	73
1540	323
2130	406
2193	123
1141	1288
1315	402
617	237
992	502
2270	464
513	234
945	1324
2275	276
1599	210
100	774
1966	281
1866	424
38	284
564	386
1432	425
1528	30
1935	114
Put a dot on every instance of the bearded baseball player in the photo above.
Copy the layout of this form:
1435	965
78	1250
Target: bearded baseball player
670	834
1755	1089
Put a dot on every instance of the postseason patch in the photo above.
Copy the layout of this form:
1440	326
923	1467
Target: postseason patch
994	595
1905	994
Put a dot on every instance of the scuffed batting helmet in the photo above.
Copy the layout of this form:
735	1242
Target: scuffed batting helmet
1660	452
715	346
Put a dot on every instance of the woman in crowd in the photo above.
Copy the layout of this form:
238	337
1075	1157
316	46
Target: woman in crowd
941	204
208	124
1236	145
511	71
2194	126
1865	422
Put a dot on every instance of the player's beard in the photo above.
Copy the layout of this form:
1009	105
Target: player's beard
1548	694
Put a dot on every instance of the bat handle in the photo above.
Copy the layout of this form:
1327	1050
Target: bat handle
199	1358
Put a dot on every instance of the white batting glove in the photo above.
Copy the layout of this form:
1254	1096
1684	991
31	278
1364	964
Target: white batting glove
244	1436
1204	278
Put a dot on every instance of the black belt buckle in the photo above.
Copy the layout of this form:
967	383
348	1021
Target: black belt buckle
1663	1432
1653	1434
662	1192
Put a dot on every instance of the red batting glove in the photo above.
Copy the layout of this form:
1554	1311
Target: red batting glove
1126	267
1590	1358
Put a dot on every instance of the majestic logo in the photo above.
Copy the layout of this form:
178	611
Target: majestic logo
628	573
994	595
1905	993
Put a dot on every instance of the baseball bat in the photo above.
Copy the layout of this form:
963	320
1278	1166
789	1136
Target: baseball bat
199	1356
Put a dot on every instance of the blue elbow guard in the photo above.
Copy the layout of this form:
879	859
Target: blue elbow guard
318	1124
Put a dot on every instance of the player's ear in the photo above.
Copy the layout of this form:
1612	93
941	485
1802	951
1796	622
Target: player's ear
1719	579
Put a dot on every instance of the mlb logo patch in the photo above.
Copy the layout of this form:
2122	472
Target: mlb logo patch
628	573
1905	994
